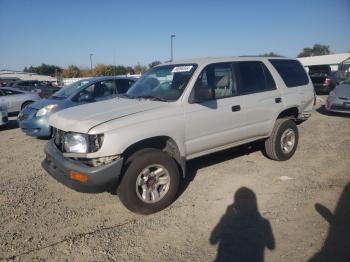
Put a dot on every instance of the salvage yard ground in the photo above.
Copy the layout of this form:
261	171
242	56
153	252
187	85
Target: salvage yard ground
41	219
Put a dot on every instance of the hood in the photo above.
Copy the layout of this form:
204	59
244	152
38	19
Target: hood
84	117
45	102
343	90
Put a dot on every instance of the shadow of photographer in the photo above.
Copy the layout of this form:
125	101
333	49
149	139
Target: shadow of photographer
242	233
337	244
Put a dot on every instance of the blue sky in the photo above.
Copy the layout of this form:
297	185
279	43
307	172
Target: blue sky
127	32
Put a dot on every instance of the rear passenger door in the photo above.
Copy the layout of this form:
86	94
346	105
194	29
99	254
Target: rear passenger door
262	99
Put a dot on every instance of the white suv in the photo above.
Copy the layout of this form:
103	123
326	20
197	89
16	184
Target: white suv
137	144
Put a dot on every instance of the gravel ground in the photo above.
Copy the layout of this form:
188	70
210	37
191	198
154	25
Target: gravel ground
41	219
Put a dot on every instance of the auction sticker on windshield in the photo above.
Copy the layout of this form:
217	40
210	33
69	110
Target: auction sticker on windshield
179	69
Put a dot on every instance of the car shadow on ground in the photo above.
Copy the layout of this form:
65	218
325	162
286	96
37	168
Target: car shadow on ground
212	159
12	124
242	234
337	244
322	110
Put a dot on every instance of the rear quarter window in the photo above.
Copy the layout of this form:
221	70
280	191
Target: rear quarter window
291	71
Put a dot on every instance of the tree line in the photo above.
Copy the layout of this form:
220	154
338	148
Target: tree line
98	70
107	70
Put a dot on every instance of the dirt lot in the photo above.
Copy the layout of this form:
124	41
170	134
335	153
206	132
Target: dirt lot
41	219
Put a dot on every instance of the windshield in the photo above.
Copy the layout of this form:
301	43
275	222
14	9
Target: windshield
163	83
70	89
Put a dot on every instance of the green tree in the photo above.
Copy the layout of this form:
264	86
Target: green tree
139	69
154	63
109	70
316	50
272	54
71	71
44	69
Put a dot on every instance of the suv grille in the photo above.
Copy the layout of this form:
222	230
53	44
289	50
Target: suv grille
58	136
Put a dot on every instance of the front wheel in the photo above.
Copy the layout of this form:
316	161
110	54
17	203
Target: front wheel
283	142
150	182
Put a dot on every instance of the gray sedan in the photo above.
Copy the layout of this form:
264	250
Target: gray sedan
15	99
339	99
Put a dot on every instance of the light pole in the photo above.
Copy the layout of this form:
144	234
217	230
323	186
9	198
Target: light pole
171	48
91	61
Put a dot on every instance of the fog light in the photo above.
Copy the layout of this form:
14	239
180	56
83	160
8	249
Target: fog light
77	176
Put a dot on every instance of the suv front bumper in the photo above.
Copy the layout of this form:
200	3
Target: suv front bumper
99	179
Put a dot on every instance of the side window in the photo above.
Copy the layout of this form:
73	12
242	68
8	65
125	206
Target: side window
105	88
10	92
291	71
99	89
217	79
123	85
254	77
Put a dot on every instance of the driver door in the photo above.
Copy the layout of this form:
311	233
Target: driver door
215	121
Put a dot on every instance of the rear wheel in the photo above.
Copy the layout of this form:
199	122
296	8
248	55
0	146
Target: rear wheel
283	142
150	183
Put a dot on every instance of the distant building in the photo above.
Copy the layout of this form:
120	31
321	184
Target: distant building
337	62
19	75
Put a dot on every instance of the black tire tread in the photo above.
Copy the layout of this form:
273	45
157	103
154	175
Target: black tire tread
270	143
127	195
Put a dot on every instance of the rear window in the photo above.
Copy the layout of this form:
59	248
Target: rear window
291	71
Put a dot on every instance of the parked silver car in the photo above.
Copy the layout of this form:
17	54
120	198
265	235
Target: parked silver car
15	99
339	99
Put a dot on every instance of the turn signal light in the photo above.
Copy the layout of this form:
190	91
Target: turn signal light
77	176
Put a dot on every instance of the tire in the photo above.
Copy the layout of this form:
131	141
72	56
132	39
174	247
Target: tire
25	104
273	145
131	192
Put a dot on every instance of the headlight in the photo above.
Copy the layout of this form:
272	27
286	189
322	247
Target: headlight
75	143
78	143
332	93
45	110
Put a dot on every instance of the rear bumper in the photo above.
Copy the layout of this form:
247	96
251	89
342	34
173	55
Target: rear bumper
321	88
100	179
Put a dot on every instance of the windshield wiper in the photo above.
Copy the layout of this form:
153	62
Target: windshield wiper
156	98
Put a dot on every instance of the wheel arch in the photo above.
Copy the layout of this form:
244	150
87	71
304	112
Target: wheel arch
291	112
26	102
164	143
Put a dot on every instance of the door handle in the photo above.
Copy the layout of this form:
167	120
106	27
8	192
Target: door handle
236	108
278	100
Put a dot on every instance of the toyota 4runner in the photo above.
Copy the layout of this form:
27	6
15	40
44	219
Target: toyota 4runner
137	144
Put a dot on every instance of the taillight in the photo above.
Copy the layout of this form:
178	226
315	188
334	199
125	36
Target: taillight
327	82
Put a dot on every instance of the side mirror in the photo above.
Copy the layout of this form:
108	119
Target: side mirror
85	98
202	93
